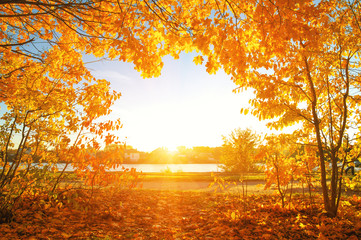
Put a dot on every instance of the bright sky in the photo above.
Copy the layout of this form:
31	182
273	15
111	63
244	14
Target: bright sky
185	106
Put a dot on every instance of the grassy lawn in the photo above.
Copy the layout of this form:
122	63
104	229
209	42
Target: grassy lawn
180	176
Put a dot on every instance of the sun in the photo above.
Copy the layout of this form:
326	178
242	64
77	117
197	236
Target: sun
186	124
184	107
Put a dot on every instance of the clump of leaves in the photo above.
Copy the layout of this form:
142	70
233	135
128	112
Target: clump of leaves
287	164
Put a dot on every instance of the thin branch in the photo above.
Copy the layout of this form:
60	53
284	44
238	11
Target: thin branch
16	44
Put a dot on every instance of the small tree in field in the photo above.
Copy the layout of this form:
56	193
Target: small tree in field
282	167
288	161
239	149
238	152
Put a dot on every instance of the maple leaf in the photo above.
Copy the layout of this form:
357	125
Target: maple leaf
198	60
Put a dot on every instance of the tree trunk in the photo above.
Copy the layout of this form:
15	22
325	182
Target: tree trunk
331	211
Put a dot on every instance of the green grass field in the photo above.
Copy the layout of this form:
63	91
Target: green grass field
181	176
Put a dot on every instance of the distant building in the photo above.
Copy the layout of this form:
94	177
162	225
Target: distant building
132	155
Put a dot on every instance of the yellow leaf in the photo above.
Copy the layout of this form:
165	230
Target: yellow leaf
65	235
198	60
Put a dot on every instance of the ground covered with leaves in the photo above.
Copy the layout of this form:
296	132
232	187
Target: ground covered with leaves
147	214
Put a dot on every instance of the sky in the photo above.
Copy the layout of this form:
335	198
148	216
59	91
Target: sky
185	106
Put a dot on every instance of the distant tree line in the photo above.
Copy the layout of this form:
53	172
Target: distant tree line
183	155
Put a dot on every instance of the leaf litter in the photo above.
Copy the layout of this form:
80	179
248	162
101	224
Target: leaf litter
149	214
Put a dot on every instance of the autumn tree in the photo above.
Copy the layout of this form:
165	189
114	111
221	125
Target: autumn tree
238	150
53	102
287	161
280	165
301	58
